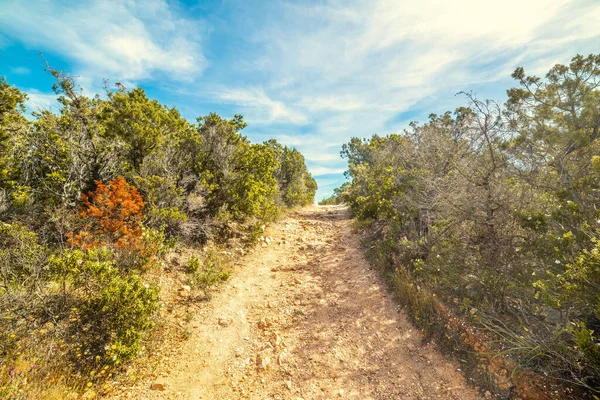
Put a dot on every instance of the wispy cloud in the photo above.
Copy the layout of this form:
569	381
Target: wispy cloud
37	101
313	73
129	40
263	108
21	70
351	66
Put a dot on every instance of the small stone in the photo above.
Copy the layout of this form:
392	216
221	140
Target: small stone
275	339
488	395
157	386
263	324
224	322
262	362
288	384
281	358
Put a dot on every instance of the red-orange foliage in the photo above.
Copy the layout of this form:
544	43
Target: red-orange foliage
114	214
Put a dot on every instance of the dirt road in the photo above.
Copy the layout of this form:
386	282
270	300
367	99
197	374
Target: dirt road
305	318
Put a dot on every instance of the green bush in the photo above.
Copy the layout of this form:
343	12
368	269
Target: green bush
22	259
208	272
112	310
495	206
122	178
118	316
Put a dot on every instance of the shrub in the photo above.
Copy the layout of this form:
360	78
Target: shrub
114	214
165	201
22	259
113	310
118	317
208	272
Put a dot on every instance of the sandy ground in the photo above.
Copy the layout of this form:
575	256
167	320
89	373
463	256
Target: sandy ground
304	317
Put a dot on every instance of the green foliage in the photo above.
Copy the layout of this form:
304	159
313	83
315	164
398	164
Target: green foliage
164	203
337	197
12	124
497	205
22	259
92	195
587	342
114	309
119	314
296	185
207	272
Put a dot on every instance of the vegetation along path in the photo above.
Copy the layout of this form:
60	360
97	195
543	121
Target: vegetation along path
306	318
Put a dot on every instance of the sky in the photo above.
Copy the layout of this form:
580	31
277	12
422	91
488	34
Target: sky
311	74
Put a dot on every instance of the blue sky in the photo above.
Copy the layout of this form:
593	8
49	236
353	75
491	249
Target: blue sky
312	74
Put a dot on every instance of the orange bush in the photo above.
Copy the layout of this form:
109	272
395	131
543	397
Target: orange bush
114	216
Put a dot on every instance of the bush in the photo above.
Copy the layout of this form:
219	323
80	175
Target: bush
107	185
114	214
496	207
118	317
112	310
22	259
206	273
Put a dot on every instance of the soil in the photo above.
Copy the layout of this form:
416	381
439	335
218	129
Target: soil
305	317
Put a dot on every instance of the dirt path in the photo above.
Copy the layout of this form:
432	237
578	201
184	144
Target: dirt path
305	318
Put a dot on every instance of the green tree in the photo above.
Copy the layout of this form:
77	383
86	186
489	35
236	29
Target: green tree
12	125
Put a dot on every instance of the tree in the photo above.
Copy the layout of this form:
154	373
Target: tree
12	124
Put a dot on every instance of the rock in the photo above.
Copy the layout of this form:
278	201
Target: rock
263	324
488	395
281	358
224	322
184	290
268	240
262	362
288	384
158	386
275	339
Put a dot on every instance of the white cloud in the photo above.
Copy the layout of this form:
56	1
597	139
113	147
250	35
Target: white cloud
128	40
313	75
38	101
20	70
350	66
316	171
265	109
